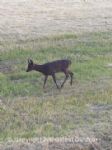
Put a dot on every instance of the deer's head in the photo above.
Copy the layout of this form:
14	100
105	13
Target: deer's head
30	65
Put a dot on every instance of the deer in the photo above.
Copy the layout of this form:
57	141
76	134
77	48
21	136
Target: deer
50	68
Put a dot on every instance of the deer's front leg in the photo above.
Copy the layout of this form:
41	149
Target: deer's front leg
45	81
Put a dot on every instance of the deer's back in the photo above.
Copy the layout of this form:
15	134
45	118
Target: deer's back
56	66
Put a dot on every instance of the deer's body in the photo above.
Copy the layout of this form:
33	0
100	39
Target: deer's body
50	68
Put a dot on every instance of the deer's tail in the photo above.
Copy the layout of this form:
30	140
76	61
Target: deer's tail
69	62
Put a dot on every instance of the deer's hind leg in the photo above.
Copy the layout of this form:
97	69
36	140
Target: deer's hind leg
71	75
67	73
66	77
54	79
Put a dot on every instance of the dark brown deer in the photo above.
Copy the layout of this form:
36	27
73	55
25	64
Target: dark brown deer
50	68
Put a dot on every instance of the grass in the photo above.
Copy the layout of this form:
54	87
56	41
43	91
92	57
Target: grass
26	110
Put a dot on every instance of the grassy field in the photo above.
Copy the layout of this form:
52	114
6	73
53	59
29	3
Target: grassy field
26	110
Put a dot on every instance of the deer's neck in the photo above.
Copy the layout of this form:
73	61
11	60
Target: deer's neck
38	68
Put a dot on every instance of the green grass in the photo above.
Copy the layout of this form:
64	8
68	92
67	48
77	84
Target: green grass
27	110
42	119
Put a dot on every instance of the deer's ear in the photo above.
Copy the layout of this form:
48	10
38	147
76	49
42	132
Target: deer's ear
30	61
